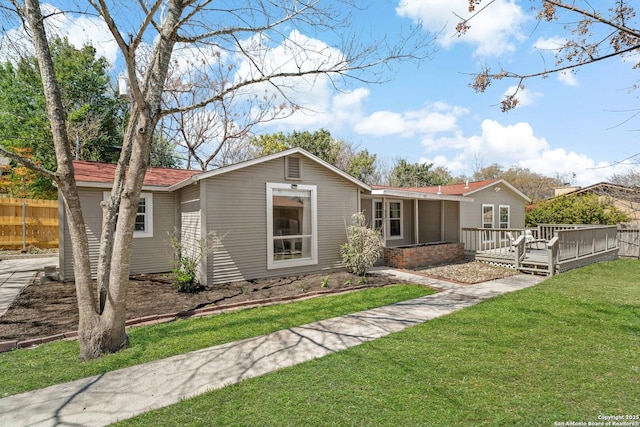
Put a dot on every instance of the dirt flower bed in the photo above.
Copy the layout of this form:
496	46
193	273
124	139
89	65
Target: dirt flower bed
468	272
45	309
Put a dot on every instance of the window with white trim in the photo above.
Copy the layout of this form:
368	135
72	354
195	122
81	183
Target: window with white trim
487	221
378	214
143	226
292	236
503	216
503	220
394	219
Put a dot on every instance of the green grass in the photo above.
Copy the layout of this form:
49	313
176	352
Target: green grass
565	350
57	362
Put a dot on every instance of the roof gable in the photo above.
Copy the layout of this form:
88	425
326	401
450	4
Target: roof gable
605	187
462	189
249	163
102	174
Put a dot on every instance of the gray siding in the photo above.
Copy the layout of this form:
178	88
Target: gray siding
90	200
471	213
236	210
149	254
190	224
430	214
153	254
451	219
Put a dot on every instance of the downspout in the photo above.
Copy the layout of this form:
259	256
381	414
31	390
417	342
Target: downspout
416	222
442	220
204	262
384	220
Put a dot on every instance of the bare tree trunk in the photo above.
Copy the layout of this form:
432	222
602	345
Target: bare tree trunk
86	298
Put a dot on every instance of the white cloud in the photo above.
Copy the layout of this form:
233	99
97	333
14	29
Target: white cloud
551	43
83	29
568	78
313	92
79	29
492	31
517	145
524	95
381	123
436	118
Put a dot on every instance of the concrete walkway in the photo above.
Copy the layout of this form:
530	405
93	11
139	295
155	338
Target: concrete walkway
117	395
17	273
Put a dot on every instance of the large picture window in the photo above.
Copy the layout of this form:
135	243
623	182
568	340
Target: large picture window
291	225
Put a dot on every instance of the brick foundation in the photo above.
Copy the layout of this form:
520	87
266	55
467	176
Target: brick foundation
411	257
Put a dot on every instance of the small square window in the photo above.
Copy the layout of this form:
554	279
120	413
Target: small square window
143	226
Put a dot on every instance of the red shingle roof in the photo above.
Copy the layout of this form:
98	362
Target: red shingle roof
95	172
449	190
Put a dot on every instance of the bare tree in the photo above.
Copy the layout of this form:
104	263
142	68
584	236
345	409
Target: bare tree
215	135
598	33
148	33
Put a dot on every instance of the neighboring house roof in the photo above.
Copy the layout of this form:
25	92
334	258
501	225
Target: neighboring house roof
606	188
95	174
464	189
248	163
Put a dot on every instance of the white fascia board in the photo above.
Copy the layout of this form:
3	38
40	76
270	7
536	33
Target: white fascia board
108	186
506	184
386	192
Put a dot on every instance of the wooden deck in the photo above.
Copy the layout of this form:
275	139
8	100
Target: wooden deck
534	261
569	246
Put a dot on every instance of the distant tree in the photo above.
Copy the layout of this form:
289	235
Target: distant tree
575	209
362	165
629	179
533	184
595	32
23	183
405	174
493	171
163	152
347	157
319	143
94	115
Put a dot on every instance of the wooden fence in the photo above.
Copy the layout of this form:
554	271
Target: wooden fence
28	222
629	242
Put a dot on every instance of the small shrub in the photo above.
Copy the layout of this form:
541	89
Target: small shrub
187	260
363	246
347	282
325	282
362	280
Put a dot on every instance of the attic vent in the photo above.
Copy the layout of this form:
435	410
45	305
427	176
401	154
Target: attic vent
292	167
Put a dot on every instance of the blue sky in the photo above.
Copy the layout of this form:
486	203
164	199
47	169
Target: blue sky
566	125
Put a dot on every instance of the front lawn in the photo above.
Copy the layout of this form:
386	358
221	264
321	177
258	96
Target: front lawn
566	350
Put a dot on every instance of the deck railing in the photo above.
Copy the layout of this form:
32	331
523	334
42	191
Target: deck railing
568	245
500	241
582	246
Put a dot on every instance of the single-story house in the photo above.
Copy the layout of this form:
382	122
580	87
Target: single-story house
279	215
